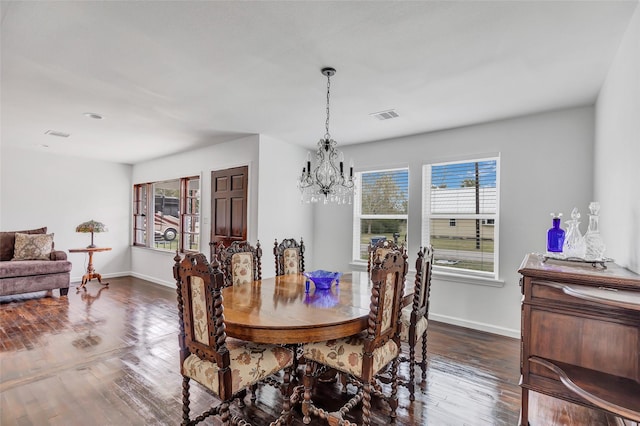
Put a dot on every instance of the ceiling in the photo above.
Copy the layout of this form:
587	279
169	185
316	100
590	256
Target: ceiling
170	76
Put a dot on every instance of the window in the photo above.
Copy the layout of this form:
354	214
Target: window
460	215
191	216
140	215
176	214
380	210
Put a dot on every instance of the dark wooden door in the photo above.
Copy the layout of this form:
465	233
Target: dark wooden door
229	205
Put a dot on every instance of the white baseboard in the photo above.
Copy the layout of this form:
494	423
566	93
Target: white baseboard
154	280
489	328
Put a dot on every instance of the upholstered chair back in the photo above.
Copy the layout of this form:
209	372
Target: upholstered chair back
380	249
387	277
289	256
240	262
202	327
422	288
414	318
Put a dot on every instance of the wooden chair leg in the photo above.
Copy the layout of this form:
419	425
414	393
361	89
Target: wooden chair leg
286	393
366	404
412	370
423	364
240	397
254	393
393	400
308	381
185	400
343	382
225	414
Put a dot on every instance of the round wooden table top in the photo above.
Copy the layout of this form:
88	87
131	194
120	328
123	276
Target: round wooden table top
279	310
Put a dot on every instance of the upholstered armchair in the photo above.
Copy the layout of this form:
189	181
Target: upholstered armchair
225	366
414	318
289	256
381	248
364	355
240	262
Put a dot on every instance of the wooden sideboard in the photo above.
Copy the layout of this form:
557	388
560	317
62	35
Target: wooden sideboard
581	335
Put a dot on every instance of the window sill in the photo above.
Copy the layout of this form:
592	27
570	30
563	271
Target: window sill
441	276
155	250
466	279
358	266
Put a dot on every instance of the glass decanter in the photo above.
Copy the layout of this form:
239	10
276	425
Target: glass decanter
574	245
593	240
555	235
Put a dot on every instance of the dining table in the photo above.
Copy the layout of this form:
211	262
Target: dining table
288	309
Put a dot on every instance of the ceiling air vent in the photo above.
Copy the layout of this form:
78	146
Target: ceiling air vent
57	133
385	115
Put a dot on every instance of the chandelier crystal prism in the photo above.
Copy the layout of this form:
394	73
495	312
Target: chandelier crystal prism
327	182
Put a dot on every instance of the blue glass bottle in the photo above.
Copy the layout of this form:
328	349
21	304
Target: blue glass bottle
555	235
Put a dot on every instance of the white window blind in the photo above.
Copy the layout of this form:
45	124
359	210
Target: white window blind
460	215
380	209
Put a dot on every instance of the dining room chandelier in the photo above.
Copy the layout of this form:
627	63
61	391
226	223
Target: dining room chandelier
327	182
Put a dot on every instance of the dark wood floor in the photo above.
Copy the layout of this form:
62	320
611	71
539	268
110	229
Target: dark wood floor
109	356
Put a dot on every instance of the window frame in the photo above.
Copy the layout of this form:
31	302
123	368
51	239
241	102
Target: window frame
140	213
142	209
184	201
483	217
357	210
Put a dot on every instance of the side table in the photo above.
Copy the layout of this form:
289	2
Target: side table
91	272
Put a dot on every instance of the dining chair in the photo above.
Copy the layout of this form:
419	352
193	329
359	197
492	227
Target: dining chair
289	256
225	366
381	248
414	318
364	355
240	262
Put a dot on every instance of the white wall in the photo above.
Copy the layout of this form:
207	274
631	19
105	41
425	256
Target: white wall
546	165
281	214
617	152
39	188
155	265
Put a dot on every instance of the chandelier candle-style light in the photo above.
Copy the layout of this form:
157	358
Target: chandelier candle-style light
327	181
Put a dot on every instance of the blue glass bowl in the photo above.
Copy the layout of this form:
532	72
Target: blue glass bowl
323	279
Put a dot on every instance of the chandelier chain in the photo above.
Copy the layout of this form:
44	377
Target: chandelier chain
326	125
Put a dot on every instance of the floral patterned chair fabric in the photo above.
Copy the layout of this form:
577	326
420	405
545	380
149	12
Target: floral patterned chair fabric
227	367
364	355
242	268
414	320
381	248
289	256
240	262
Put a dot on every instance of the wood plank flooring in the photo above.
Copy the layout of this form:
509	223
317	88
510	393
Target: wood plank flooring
109	356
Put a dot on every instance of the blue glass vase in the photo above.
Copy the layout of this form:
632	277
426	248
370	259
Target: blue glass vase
555	235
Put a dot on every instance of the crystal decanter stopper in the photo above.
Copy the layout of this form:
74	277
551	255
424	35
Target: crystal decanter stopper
593	240
574	244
